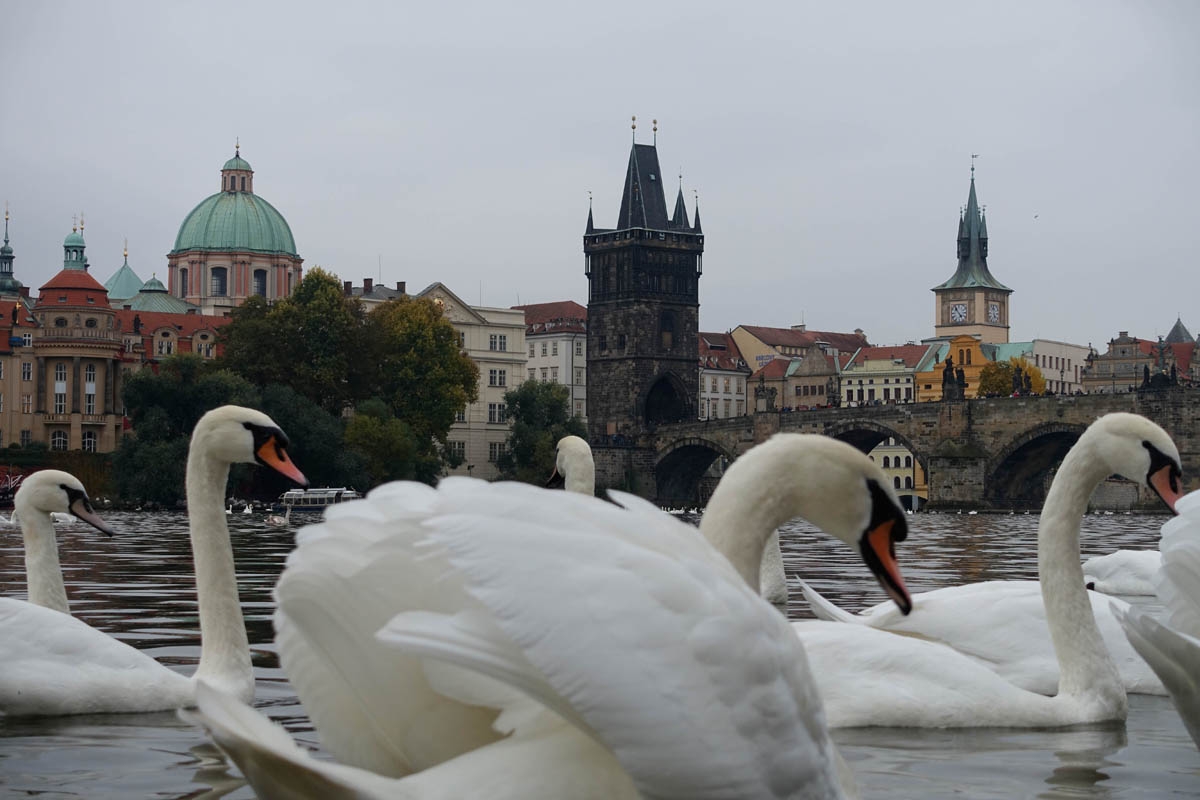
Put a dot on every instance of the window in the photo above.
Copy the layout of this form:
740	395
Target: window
60	402
741	407
1	370
27	339
495	450
554	374
579	375
60	372
26	404
220	278
498	341
89	403
461	415
896	481
183	284
89	322
620	341
728	409
462	341
579	408
578	348
712	409
456	449
260	283
908	461
497	413
713	385
26	438
497	377
532	374
26	370
666	330
60	322
89	441
531	349
243	183
727	386
1	402
603	343
58	440
908	482
543	348
887	462
554	348
544	374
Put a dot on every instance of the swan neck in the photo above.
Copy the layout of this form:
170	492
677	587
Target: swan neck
224	646
581	480
1084	662
42	569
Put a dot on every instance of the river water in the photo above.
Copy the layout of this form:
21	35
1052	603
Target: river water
138	586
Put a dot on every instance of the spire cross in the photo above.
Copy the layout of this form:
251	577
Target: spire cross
655	122
633	125
973	157
74	222
589	199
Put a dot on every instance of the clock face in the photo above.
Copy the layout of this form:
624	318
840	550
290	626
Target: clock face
993	312
958	312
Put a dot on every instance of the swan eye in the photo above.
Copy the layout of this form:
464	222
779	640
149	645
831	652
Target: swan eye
884	509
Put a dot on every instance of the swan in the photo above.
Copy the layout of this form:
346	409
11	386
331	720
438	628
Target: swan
1123	572
669	676
1172	645
945	687
575	469
275	519
41	495
247	509
57	664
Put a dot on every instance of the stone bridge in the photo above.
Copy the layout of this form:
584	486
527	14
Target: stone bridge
991	453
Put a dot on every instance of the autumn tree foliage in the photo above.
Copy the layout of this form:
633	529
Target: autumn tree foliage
996	377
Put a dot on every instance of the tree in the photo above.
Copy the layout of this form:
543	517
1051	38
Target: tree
996	377
540	415
388	446
311	341
164	408
420	372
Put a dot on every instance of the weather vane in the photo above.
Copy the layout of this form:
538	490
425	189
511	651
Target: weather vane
973	157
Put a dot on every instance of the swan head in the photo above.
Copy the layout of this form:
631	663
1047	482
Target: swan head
573	466
828	482
1136	448
51	490
237	435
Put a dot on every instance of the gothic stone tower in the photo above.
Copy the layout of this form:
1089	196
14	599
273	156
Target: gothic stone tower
643	308
972	301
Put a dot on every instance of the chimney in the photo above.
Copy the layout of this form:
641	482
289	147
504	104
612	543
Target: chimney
400	287
800	327
1122	334
368	284
348	288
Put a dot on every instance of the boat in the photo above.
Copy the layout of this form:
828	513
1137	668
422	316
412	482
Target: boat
314	499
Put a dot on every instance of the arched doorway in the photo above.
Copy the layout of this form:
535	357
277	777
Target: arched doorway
667	401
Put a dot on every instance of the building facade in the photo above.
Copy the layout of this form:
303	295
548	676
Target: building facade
643	307
882	375
494	338
1128	361
724	376
232	245
972	301
759	345
556	337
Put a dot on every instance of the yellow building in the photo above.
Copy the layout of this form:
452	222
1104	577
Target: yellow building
964	352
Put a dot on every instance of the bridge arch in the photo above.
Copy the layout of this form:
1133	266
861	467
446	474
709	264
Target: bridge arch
680	469
1018	475
667	400
866	435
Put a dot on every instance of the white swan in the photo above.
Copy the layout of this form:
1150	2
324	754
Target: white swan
1123	572
1172	645
575	467
676	678
39	497
56	664
275	519
944	687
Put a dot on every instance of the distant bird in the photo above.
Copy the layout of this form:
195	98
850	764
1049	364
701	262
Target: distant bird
1035	216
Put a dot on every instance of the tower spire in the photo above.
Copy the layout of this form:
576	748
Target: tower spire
590	227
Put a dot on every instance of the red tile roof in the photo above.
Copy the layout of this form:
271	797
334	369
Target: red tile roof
910	354
793	337
775	368
182	324
719	351
563	315
74	279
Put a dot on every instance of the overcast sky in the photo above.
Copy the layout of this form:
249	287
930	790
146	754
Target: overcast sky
829	142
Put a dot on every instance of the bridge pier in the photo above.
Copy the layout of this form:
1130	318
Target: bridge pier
956	481
630	469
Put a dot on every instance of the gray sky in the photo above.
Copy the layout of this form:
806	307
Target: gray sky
830	144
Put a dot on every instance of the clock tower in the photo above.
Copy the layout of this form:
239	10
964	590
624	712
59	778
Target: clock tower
972	302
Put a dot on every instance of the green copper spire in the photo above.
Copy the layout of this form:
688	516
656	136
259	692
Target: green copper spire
972	249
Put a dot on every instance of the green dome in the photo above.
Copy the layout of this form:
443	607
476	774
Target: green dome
237	162
74	239
9	284
153	285
235	221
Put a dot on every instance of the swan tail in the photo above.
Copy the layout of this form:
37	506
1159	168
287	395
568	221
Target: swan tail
1172	656
274	764
826	610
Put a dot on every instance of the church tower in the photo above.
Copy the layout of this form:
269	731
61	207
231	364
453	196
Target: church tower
972	302
643	307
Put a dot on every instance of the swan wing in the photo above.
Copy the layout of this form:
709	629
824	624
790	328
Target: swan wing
1123	572
870	677
648	634
57	664
1002	625
348	576
1178	582
1175	658
825	609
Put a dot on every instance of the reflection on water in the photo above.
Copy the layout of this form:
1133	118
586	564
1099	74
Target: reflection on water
138	586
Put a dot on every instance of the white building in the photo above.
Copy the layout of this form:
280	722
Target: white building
723	377
1061	364
882	374
494	338
556	339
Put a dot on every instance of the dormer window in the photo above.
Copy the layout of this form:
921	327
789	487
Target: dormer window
60	322
89	323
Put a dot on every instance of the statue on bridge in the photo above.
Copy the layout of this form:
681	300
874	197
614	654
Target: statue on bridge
954	384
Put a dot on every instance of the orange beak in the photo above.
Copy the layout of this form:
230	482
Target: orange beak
877	551
274	456
1166	483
